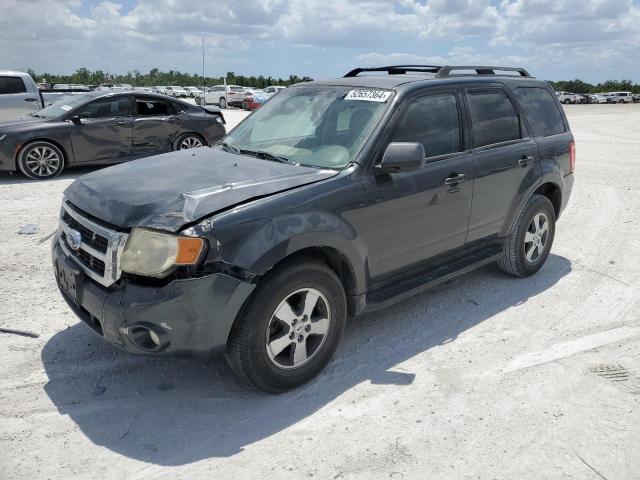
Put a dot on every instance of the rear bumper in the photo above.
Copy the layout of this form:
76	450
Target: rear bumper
192	317
566	194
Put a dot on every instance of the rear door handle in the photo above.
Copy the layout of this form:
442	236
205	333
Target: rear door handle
524	161
454	179
123	122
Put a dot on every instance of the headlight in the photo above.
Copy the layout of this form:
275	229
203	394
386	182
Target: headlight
156	254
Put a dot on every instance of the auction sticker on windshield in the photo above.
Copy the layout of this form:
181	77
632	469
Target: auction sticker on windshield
66	108
368	95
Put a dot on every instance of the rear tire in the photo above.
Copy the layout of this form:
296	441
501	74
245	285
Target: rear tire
527	247
223	103
277	343
40	160
187	141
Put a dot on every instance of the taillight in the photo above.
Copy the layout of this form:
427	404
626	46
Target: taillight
572	156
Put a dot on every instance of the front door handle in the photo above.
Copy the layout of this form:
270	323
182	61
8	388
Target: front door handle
30	99
524	161
454	178
123	122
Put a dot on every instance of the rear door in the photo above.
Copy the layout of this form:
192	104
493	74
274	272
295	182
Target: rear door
15	98
414	216
155	126
103	132
505	161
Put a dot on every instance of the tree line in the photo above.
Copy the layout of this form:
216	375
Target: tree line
578	86
136	78
84	76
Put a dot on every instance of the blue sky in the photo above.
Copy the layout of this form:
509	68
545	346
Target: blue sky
594	40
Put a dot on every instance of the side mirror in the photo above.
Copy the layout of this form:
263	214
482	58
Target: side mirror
77	119
402	157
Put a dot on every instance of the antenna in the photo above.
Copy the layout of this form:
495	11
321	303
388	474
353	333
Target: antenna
203	80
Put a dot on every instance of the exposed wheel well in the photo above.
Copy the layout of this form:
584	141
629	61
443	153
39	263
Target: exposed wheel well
337	261
553	193
65	156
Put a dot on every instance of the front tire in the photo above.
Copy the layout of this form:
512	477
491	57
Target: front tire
527	247
290	327
40	160
223	103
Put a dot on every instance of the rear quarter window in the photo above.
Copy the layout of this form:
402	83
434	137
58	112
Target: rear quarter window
10	85
541	110
494	118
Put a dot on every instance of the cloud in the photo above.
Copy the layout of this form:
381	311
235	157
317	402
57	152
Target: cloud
319	36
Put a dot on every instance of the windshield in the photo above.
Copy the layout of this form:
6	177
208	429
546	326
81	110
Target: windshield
317	126
63	106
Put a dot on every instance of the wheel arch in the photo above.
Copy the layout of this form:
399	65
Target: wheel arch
26	143
553	192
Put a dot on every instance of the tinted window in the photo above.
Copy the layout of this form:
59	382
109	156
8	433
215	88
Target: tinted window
541	110
494	118
112	107
151	107
12	85
433	121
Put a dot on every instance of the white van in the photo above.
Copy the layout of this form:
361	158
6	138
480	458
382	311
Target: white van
621	97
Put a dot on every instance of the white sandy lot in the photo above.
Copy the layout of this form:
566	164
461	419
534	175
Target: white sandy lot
484	377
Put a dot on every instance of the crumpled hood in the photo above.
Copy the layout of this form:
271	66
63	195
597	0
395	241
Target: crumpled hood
171	190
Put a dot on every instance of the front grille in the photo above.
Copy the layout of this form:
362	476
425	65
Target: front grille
95	241
99	250
94	264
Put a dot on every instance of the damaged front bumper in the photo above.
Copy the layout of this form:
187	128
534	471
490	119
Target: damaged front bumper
187	318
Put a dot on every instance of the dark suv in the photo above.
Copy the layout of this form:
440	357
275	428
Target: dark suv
335	198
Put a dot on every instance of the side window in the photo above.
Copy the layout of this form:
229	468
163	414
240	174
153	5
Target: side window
432	120
541	110
493	116
149	107
12	85
111	107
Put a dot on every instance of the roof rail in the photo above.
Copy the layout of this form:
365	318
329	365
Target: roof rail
440	72
395	69
480	70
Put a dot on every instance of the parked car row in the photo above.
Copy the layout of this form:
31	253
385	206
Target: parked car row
608	97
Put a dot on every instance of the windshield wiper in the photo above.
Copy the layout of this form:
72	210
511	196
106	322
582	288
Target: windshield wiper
228	147
267	156
36	115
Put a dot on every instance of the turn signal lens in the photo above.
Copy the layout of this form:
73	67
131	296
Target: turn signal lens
189	250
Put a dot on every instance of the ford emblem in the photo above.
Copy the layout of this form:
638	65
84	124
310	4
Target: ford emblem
74	239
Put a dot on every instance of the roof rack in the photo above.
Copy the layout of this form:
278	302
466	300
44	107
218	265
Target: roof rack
395	69
439	71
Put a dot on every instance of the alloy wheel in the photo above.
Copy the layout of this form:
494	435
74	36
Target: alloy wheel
536	237
42	161
190	142
298	328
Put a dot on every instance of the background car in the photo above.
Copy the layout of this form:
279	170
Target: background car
568	97
621	97
176	92
636	98
19	95
193	91
224	95
272	90
255	101
103	128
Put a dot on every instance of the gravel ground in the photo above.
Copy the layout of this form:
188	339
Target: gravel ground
484	377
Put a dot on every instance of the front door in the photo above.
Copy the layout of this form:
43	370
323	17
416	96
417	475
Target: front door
418	215
102	131
155	126
505	160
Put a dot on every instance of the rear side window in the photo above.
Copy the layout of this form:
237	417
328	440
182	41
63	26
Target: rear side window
432	120
494	118
152	107
541	110
12	85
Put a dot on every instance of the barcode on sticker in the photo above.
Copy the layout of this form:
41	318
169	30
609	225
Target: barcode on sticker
368	95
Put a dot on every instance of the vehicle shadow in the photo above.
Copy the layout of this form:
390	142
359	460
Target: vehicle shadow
174	412
16	178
